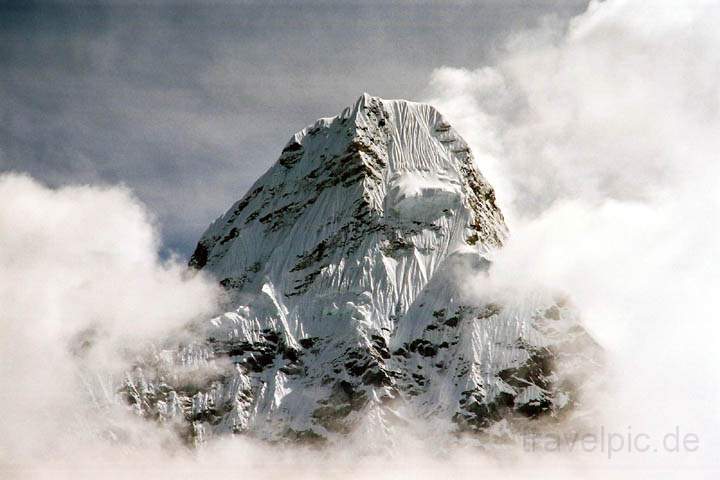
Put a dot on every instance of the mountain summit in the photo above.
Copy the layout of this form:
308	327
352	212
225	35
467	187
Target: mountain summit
349	267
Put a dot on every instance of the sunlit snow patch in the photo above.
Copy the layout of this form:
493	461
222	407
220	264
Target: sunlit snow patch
421	195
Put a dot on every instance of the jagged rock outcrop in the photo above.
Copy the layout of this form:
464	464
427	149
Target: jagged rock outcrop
347	267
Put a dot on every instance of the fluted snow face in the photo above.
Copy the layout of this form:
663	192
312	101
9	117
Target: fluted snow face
354	219
342	266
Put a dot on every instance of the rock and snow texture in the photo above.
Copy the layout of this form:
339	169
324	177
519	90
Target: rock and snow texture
344	266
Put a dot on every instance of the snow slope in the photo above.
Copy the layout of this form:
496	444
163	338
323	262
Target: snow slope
346	266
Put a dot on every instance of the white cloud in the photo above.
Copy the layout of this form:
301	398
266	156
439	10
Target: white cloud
76	261
602	142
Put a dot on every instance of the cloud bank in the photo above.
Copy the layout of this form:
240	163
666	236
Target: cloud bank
601	138
81	286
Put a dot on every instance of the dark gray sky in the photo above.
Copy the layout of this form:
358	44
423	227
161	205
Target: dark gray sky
188	103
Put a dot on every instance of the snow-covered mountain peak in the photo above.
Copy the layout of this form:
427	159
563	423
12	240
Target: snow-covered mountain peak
374	197
342	266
